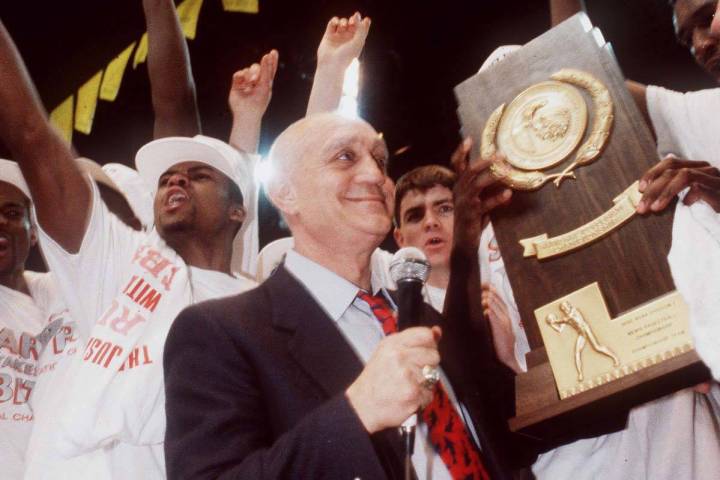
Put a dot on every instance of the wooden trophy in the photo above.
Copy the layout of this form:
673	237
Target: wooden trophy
590	277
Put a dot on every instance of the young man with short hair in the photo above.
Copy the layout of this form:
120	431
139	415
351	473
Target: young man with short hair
424	218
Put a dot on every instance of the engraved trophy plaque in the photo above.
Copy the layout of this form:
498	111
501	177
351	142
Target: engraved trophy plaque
590	277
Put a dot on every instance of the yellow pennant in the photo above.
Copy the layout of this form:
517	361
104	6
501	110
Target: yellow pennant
86	102
245	6
62	118
141	52
188	13
114	74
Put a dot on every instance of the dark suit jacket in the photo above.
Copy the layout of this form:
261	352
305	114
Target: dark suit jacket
255	389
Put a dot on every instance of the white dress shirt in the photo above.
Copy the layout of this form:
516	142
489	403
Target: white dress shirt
362	330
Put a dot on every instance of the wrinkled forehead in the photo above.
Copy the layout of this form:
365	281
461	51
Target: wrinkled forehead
10	194
329	134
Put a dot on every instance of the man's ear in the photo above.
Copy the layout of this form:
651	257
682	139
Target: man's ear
238	213
283	196
33	236
399	239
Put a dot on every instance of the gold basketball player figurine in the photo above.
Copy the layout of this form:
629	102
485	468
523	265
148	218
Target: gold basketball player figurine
575	319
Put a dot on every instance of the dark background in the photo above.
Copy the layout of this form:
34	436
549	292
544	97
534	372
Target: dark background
416	53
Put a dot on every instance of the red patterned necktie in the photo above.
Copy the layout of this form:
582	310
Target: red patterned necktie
446	429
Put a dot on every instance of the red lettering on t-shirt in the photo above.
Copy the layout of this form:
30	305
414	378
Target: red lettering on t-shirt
102	352
155	264
28	346
123	323
110	311
23	388
8	340
133	359
168	278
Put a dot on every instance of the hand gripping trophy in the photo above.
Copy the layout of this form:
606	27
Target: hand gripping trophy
573	317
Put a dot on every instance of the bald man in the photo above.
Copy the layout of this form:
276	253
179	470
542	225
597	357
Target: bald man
298	377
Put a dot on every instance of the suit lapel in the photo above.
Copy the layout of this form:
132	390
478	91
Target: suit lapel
322	351
316	343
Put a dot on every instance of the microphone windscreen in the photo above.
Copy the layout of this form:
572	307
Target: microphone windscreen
409	263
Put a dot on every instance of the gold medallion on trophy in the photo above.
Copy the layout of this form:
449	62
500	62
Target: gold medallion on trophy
543	126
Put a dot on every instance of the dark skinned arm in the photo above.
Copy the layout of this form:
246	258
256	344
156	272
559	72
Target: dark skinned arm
661	184
475	194
60	192
467	331
561	10
171	80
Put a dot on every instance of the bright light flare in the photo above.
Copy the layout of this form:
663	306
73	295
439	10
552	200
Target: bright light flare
351	83
264	172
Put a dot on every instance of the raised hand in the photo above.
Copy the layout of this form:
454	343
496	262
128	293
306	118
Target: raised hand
343	40
496	311
672	175
476	193
251	87
390	387
248	100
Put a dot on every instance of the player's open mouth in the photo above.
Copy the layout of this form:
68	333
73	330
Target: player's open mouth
434	241
4	243
175	198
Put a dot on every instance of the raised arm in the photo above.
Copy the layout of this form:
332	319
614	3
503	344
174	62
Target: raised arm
171	81
249	97
467	330
474	195
561	10
342	42
60	193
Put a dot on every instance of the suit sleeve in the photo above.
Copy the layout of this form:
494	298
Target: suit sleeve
218	424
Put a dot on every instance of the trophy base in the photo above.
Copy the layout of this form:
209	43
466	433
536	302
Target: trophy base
540	413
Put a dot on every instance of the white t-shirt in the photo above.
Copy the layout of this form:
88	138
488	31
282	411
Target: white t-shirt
688	125
113	401
22	319
492	271
677	436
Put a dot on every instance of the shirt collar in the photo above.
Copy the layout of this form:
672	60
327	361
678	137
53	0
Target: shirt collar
334	293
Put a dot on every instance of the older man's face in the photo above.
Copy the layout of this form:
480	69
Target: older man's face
341	184
694	28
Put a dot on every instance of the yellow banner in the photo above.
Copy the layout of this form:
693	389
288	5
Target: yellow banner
114	74
62	118
244	6
188	13
86	103
141	52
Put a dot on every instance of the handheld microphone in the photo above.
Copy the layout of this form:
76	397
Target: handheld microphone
409	269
